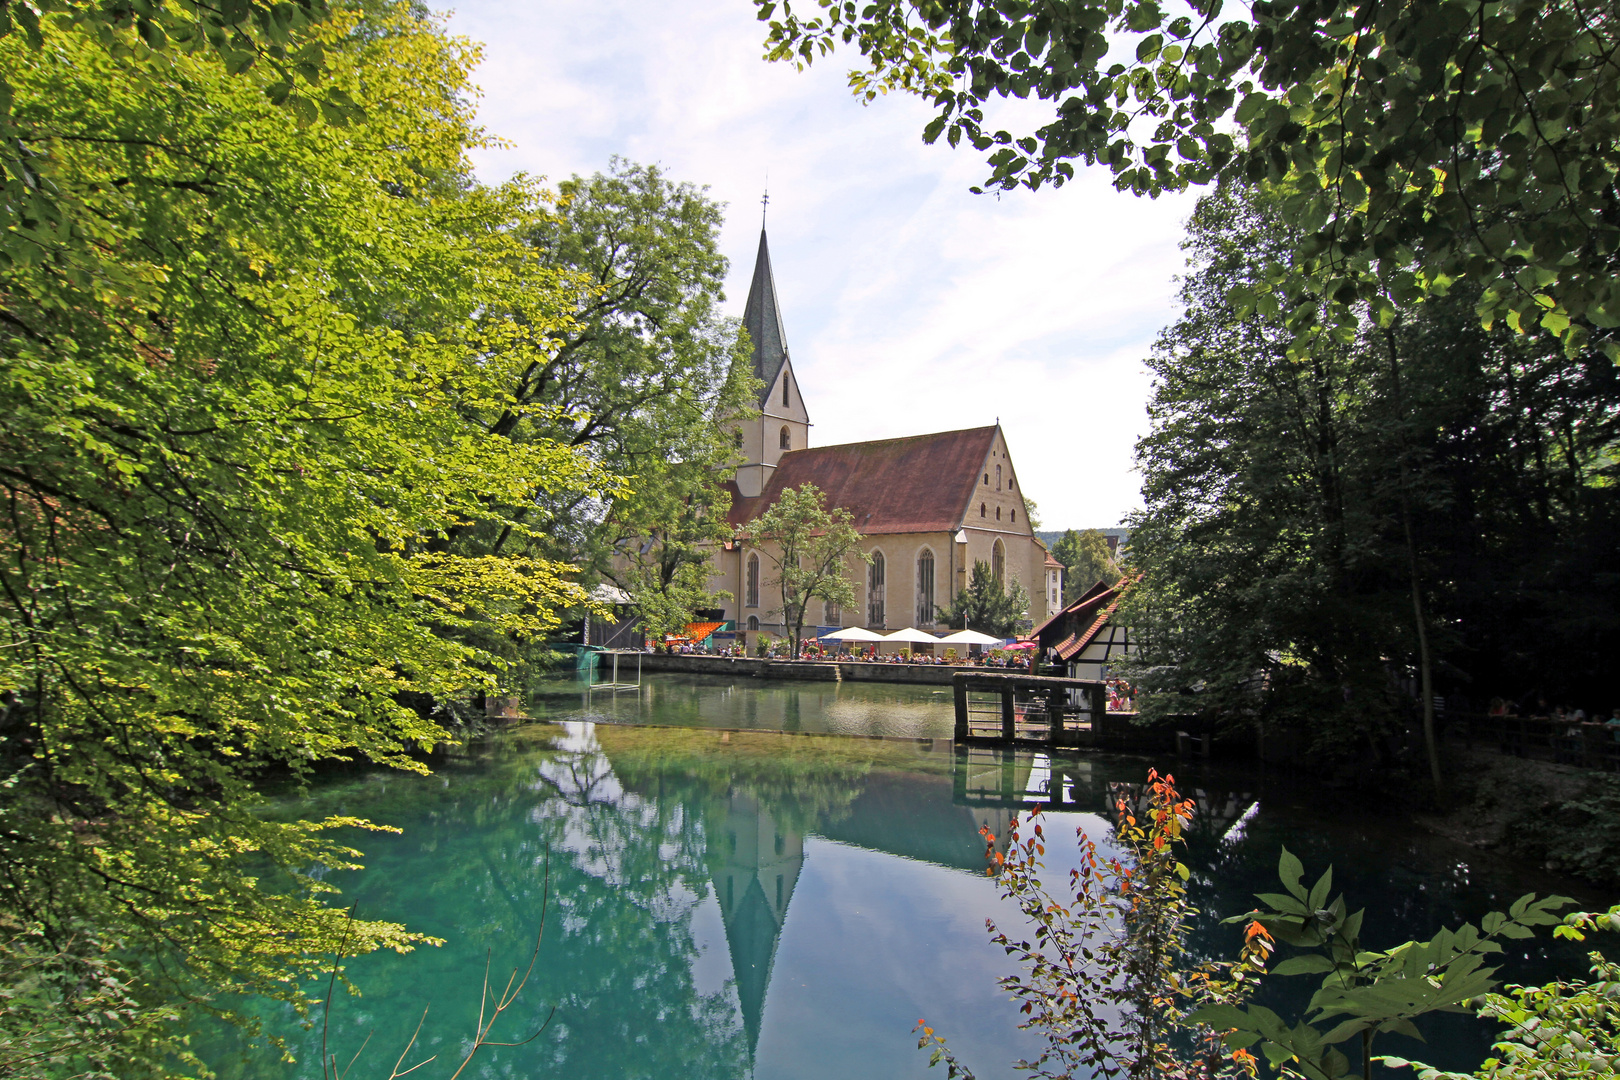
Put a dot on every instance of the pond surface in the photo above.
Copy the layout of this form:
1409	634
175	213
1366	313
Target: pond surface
735	903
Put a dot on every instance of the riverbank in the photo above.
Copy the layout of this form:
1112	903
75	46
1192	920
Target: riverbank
805	670
1560	817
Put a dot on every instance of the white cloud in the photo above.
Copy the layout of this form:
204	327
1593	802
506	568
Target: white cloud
911	305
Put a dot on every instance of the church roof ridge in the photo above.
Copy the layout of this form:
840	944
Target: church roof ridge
914	483
762	315
896	439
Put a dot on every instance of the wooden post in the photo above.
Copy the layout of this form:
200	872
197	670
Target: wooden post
959	686
1009	722
1009	775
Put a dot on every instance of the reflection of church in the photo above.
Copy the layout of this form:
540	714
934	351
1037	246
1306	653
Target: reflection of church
757	866
927	506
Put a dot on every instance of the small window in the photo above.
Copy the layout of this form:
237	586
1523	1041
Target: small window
925	588
784	391
1012	485
785	440
998	477
1013	514
736	438
998	513
752	587
875	590
981	509
753	622
986	479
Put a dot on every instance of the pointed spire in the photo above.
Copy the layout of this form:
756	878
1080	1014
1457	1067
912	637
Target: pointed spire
763	318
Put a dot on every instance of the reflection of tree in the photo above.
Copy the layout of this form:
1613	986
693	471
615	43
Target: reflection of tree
804	781
627	875
641	825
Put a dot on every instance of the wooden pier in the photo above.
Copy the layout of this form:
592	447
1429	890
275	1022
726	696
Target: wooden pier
1007	708
613	684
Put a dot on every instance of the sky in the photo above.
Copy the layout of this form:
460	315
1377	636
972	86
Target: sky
911	305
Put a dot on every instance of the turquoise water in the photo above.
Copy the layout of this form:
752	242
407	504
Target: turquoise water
731	903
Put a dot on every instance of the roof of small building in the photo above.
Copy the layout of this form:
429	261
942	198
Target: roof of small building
921	483
1084	617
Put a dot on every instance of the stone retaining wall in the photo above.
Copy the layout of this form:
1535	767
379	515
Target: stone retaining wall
815	670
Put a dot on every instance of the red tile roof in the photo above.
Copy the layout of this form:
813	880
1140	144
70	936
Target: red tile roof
916	484
1086	617
1076	643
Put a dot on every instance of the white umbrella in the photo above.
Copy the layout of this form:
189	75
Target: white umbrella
911	634
970	637
852	633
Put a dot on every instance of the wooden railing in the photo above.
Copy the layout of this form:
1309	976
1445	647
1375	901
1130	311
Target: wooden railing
1583	744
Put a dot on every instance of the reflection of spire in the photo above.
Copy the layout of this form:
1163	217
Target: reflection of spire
758	866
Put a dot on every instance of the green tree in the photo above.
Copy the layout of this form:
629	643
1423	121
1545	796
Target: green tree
236	383
809	547
1414	144
1311	517
986	605
636	381
1086	560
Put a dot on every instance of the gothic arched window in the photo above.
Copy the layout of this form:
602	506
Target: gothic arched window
925	588
875	590
981	510
753	581
998	513
998	477
784	391
998	562
753	622
785	439
1013	514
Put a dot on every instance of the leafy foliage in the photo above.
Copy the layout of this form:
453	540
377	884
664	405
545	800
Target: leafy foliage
986	605
1559	1031
240	356
1086	560
1297	503
1374	992
1106	979
809	547
633	380
1414	144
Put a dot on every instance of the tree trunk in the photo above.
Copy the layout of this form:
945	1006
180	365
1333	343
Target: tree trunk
1425	669
1420	621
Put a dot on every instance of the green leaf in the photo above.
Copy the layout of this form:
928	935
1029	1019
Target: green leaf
1319	891
1289	871
1308	964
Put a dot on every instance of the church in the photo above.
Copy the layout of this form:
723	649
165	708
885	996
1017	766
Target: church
927	506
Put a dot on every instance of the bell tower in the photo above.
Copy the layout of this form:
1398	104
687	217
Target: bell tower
783	424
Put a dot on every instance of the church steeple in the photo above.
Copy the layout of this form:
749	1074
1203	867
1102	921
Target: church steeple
763	318
783	424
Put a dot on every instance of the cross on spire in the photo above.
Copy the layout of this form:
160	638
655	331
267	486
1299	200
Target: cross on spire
764	207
